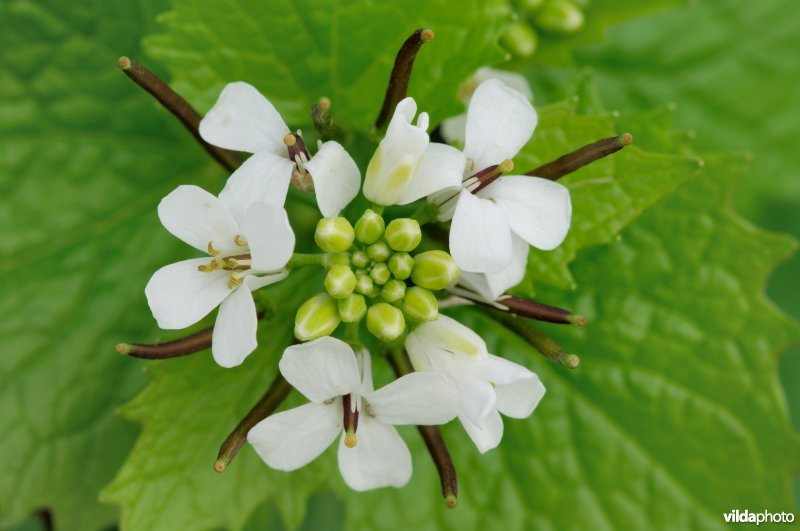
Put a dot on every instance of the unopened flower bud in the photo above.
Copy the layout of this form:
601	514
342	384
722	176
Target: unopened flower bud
353	308
403	234
364	285
317	317
385	322
420	304
360	259
334	235
393	291
434	270
340	281
529	7
369	228
380	274
560	16
520	39
378	251
401	265
337	259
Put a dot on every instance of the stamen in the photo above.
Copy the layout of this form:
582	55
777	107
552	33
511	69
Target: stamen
581	157
211	250
235	281
239	240
350	420
489	175
213	265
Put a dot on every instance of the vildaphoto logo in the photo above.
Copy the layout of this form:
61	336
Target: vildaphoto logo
746	517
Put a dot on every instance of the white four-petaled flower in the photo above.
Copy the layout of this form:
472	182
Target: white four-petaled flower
242	119
325	371
249	241
488	385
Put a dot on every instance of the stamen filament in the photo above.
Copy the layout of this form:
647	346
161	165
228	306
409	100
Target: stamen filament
579	158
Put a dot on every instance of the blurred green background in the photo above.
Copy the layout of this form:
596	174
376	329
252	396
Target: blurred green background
686	404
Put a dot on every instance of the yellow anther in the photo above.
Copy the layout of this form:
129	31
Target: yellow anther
211	250
239	240
230	262
209	267
234	281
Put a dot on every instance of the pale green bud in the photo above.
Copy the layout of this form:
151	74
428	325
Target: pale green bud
353	308
420	304
378	251
385	322
401	264
369	228
434	270
520	39
340	281
393	291
560	16
364	285
380	274
334	235
337	259
529	7
403	234
317	317
360	259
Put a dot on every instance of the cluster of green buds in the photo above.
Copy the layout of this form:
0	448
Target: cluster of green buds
372	275
561	17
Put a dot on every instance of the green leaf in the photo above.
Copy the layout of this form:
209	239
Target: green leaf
85	158
298	51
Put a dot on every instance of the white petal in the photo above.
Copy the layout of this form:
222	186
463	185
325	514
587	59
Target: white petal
448	335
480	239
490	286
453	129
477	396
293	438
257	282
442	167
321	369
519	398
512	80
179	295
500	121
234	335
501	371
263	177
380	458
244	120
487	433
364	360
198	217
336	178
538	210
269	236
423	398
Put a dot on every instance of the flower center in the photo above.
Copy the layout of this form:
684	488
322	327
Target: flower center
238	264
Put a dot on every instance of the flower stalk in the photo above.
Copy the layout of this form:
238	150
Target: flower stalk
171	349
546	346
579	158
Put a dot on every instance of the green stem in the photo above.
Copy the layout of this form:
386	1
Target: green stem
424	213
306	259
352	335
378	209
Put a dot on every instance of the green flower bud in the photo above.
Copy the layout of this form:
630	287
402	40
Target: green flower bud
360	259
364	285
378	251
337	259
420	304
385	322
340	281
401	264
353	308
529	7
520	39
380	274
369	228
334	235
317	317
434	270
374	292
560	16
393	291
403	234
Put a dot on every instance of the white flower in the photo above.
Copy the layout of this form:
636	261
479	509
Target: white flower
242	119
488	385
491	229
407	166
328	373
250	242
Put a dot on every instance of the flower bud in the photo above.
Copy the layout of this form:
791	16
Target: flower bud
393	291
385	322
369	228
334	235
378	251
364	285
360	259
520	39
340	281
337	259
560	16
401	264
420	304
380	274
529	7
403	234
434	270
317	317
353	308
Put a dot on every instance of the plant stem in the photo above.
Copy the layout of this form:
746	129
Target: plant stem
306	259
